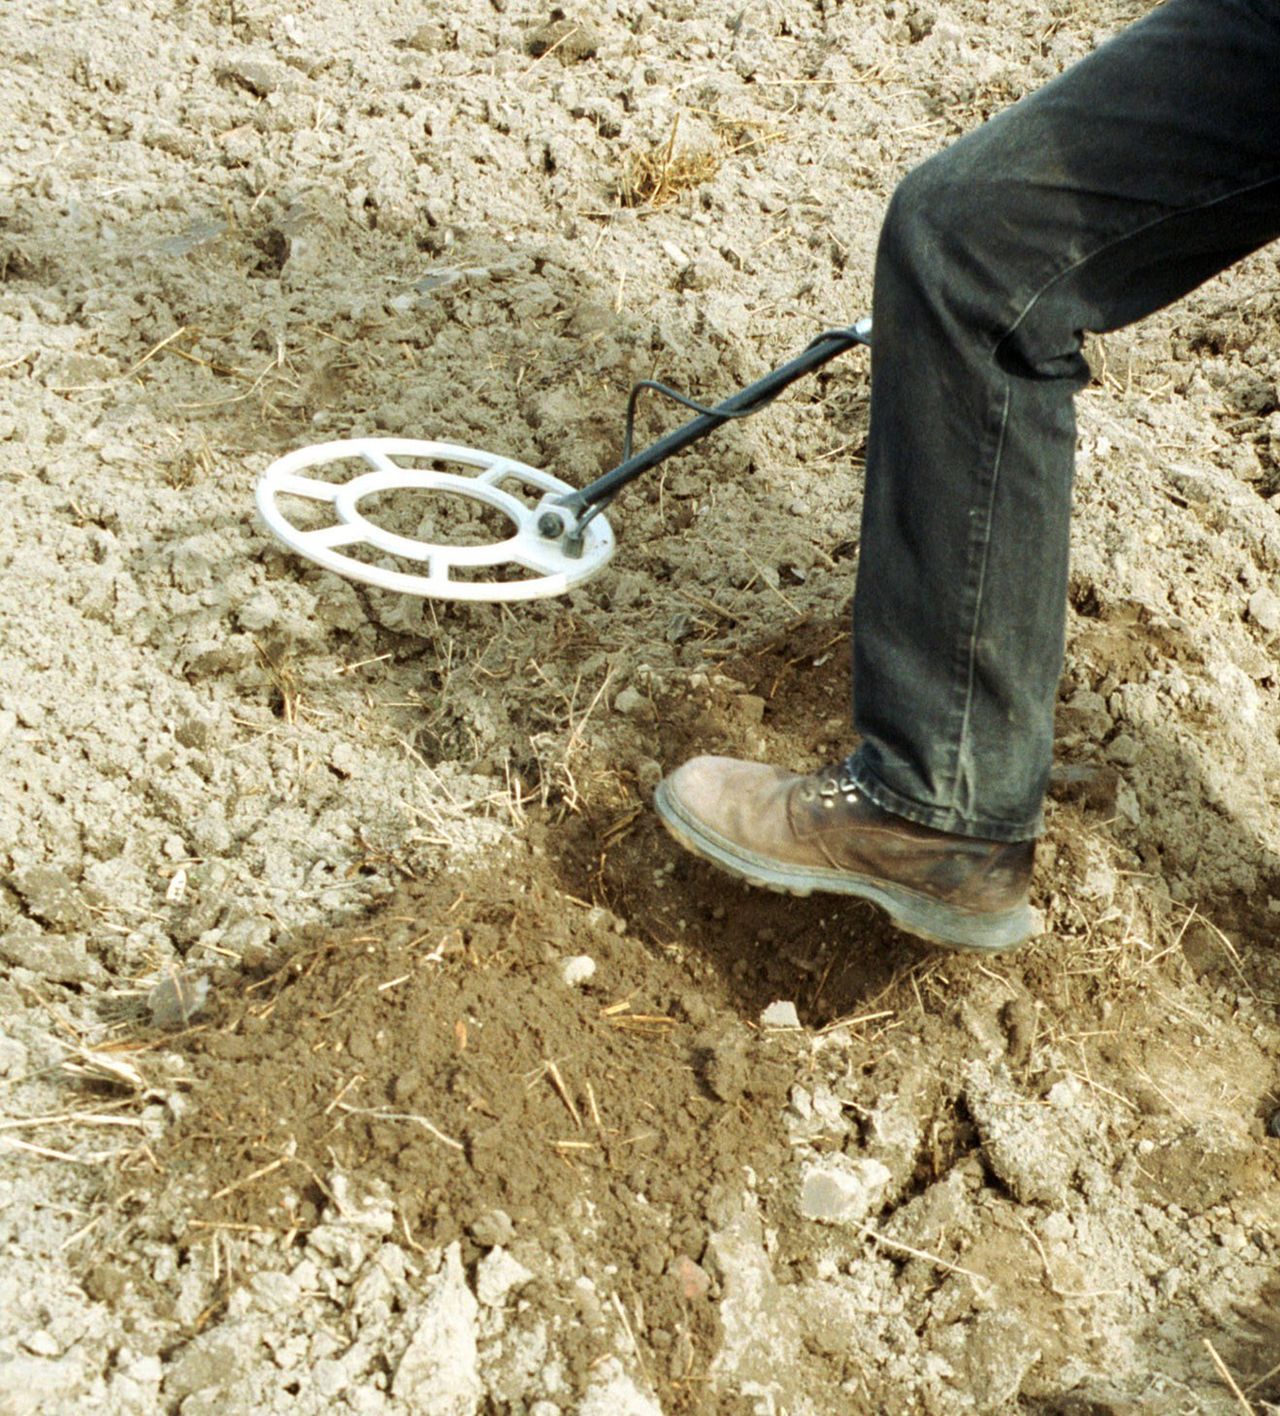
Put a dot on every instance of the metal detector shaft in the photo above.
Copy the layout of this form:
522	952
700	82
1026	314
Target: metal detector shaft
823	349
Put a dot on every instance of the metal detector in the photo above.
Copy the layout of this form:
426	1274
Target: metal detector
559	537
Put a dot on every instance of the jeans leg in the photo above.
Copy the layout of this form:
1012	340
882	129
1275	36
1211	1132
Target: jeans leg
1123	184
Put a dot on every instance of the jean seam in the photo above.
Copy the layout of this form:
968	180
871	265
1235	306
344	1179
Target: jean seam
979	551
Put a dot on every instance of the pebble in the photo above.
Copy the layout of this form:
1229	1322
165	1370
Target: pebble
1264	610
61	958
840	1191
42	1343
1124	750
496	1275
578	970
493	1229
630	701
438	1371
781	1014
50	895
259	77
692	1280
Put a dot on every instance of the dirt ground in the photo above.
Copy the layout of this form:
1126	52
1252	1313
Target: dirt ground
365	1045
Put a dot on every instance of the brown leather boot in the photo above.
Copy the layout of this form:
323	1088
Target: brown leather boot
799	834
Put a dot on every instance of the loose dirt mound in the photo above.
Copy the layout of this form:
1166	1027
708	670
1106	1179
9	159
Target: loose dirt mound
366	1045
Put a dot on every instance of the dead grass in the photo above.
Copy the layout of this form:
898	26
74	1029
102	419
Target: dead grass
657	177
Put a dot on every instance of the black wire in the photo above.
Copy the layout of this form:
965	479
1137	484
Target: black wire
843	335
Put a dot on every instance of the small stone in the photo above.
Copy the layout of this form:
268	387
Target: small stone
841	1191
258	76
1123	750
260	611
428	39
329	1378
630	701
578	970
1034	1151
692	1280
781	1014
572	40
750	708
725	1068
614	1393
496	1275
146	1371
367	1208
58	958
42	1343
50	895
493	1229
1264	610
439	1372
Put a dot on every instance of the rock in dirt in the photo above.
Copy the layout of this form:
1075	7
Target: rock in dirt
1025	1145
781	1014
724	1067
991	1354
1264	610
437	1375
497	1274
428	39
58	958
692	1280
213	1361
837	1190
751	1303
572	40
51	896
493	1229
613	1393
259	76
578	970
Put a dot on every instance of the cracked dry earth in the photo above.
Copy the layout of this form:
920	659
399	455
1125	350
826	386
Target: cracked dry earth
364	1044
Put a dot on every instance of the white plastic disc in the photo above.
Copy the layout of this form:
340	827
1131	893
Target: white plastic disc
483	476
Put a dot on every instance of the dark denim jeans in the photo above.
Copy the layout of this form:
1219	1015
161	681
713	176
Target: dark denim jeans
1123	184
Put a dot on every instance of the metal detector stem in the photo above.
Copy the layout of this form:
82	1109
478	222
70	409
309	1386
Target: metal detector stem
585	503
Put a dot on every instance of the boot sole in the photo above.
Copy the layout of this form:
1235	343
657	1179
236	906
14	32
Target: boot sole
995	932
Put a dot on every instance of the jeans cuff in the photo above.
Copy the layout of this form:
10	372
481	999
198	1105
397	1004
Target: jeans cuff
939	818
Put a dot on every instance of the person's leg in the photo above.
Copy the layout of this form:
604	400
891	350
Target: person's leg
1121	185
1125	183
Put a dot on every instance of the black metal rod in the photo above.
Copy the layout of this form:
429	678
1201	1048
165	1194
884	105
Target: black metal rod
823	349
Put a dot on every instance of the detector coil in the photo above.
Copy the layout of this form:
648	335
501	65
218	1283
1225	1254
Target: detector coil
527	565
